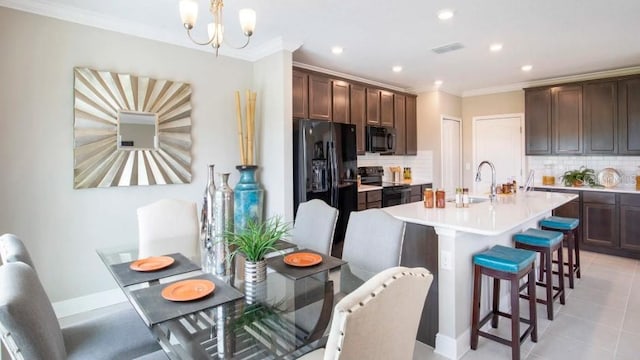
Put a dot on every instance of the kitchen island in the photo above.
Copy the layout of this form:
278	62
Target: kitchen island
460	233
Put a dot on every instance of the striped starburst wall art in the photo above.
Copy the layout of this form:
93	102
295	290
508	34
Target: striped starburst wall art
108	108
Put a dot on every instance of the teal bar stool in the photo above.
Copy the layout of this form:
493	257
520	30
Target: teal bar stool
569	227
544	242
504	263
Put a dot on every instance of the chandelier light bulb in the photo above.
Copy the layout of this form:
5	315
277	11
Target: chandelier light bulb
188	13
247	21
215	34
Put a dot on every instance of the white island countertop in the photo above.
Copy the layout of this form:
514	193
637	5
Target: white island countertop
483	218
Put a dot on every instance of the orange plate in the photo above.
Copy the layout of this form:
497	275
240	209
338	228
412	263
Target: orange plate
152	263
187	290
302	259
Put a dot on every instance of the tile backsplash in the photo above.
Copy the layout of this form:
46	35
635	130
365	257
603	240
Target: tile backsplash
421	164
626	165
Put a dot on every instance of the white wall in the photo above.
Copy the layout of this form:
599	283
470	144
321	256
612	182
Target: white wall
62	227
272	78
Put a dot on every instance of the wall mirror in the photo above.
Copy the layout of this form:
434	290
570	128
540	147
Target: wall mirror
130	130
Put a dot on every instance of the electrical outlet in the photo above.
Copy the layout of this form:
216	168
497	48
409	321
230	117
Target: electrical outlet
446	262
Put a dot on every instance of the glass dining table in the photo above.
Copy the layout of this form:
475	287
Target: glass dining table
281	318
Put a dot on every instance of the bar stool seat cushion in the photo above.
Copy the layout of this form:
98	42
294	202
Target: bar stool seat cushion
560	223
507	259
537	237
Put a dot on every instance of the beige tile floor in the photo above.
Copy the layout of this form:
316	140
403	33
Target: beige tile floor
600	320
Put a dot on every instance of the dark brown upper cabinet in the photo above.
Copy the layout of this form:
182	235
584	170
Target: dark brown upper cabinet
358	115
386	108
538	121
566	121
319	97
340	105
400	123
373	106
600	117
629	116
411	131
300	91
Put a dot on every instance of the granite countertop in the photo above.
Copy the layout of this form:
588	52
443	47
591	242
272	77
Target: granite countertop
484	218
629	189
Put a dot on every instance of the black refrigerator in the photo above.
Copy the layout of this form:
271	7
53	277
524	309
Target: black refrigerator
325	167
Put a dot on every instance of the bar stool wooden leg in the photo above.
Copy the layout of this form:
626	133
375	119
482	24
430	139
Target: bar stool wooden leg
496	302
549	281
561	274
515	319
532	305
570	252
477	288
576	244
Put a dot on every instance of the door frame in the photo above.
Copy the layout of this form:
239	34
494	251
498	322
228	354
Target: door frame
474	154
459	120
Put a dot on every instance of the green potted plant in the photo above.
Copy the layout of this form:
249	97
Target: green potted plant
580	177
254	241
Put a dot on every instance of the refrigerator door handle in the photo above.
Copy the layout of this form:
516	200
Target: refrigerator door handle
334	176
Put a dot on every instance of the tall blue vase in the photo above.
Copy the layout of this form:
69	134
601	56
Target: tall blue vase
248	198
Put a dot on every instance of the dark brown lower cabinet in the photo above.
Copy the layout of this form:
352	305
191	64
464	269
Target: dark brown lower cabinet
630	222
369	200
600	219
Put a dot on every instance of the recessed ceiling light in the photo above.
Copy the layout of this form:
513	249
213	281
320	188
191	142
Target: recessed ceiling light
437	82
337	50
397	68
445	14
526	67
495	47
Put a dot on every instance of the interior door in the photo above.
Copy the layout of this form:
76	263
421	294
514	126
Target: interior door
498	139
451	155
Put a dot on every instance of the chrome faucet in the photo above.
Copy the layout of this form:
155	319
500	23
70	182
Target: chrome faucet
493	178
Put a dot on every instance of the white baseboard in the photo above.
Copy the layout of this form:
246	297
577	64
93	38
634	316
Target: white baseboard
89	302
453	348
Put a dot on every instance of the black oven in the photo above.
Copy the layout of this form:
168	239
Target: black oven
381	139
396	195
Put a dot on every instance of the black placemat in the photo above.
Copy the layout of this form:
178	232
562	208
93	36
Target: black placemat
296	272
125	276
157	309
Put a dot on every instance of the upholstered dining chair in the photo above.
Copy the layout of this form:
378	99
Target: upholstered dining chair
314	226
30	329
12	249
372	243
168	226
378	320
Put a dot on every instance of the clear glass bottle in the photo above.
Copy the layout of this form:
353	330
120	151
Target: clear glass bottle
428	198
548	177
465	197
458	197
440	199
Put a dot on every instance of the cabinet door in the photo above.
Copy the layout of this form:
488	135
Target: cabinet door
566	119
629	116
300	94
319	97
629	224
340	105
411	136
600	117
373	106
358	112
386	108
400	123
537	121
600	225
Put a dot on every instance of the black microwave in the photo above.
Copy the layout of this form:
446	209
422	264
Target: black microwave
381	139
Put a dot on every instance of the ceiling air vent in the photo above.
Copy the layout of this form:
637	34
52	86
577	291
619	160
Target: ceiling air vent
447	48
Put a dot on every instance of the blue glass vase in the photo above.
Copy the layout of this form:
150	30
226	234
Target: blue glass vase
248	198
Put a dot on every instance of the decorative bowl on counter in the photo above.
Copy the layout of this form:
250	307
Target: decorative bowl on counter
609	177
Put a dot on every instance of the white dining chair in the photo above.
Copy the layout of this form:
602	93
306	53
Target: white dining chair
378	320
168	226
314	226
30	330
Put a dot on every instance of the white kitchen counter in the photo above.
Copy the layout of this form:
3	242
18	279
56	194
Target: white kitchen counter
461	233
627	189
483	218
363	188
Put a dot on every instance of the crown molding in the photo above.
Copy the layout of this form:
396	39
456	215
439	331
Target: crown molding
93	19
553	81
350	77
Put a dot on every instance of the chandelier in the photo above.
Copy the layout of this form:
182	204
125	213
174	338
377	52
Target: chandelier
189	14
